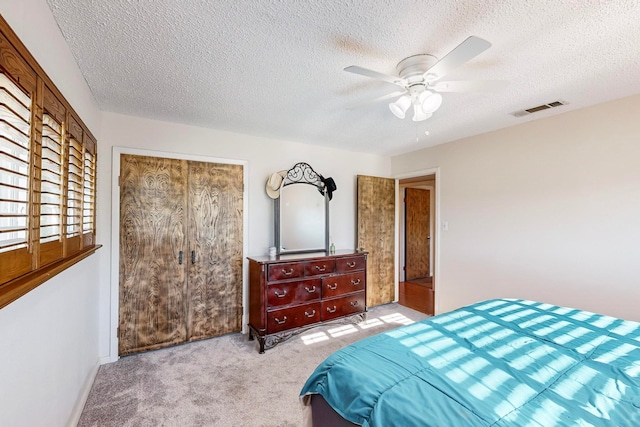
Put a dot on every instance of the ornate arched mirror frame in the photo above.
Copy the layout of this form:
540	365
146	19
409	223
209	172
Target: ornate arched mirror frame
300	174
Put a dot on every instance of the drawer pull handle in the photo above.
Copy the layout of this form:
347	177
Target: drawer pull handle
323	268
312	290
351	264
313	313
332	310
334	287
282	295
280	322
355	282
287	273
354	303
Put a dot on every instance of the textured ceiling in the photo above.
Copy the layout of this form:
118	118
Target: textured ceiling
274	68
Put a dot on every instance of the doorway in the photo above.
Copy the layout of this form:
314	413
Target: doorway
417	236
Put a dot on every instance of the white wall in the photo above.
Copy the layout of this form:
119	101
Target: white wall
49	337
49	350
263	156
548	210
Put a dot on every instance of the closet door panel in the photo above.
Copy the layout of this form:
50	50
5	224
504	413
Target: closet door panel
214	293
153	197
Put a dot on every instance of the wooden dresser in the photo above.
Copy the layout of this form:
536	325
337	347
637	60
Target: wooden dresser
289	294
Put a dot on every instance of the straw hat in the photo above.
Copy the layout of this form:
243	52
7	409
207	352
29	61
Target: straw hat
274	183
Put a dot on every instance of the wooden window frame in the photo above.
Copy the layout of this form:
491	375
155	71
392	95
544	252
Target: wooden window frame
25	268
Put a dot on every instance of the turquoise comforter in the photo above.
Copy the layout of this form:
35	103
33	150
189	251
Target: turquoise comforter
501	362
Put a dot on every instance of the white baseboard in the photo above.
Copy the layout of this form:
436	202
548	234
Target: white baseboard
108	359
84	395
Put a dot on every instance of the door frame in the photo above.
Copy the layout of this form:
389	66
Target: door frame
115	233
435	238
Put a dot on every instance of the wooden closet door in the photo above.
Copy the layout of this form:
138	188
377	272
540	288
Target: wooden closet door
153	197
215	249
376	234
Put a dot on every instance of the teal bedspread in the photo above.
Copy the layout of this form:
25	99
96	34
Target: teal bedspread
502	362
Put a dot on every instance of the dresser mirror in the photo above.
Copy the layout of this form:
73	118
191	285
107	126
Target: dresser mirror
302	212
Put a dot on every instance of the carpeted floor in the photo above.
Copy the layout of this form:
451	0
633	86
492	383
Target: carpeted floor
223	381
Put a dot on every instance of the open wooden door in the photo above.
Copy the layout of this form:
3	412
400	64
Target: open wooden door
417	233
376	226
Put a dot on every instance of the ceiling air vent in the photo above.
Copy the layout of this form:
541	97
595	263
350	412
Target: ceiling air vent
531	110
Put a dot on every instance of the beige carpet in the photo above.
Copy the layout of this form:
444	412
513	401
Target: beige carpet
223	381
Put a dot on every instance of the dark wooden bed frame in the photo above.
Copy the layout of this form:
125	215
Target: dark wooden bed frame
323	415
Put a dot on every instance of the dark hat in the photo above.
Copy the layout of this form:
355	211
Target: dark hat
329	185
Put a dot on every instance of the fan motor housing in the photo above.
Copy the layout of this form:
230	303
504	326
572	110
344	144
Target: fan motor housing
415	66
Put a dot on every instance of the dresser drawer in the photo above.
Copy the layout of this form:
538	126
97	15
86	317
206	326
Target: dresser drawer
284	293
314	268
336	285
285	271
343	306
345	265
293	317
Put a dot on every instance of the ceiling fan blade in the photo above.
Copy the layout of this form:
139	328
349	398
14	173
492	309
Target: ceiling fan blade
375	75
469	85
378	99
465	51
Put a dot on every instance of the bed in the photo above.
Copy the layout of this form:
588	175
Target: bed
502	362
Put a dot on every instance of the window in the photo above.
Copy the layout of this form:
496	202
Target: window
74	173
51	180
15	126
89	195
47	175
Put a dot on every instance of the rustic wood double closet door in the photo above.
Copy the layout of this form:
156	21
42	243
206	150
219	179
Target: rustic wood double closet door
180	251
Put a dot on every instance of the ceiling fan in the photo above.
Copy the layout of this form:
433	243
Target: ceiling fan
419	77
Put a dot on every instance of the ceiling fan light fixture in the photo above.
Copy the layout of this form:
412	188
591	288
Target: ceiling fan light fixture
400	106
431	102
419	77
419	115
423	96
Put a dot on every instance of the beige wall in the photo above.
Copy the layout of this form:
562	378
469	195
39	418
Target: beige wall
548	210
